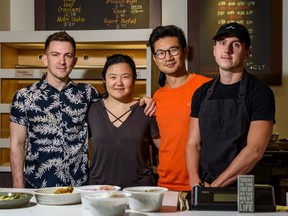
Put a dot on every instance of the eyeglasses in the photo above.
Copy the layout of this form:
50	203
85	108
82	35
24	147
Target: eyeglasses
161	54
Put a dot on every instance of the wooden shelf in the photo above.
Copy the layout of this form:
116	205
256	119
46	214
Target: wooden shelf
5	168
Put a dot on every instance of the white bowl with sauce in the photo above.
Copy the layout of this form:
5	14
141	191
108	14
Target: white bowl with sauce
47	196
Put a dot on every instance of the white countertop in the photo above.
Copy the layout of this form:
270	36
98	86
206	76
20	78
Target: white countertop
168	209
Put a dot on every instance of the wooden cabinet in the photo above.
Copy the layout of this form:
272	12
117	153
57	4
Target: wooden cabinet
21	65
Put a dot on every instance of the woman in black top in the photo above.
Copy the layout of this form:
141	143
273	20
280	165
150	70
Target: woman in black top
120	130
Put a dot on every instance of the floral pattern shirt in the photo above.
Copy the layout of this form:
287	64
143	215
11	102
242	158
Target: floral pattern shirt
57	132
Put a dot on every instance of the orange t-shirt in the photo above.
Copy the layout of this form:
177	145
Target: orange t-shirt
173	108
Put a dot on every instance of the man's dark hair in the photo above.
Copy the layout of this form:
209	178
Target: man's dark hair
167	31
60	36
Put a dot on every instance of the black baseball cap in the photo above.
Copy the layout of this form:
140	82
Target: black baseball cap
235	29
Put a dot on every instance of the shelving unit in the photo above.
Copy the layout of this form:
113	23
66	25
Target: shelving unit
21	65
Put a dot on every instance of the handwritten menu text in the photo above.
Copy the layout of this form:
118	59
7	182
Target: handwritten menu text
100	14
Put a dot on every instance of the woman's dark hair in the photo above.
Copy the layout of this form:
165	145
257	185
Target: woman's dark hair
167	31
60	36
119	58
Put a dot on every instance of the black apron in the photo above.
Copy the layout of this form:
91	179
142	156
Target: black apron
224	125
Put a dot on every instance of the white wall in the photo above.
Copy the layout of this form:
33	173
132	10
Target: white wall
22	15
175	12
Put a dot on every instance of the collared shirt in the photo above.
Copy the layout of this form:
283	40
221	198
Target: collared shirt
57	132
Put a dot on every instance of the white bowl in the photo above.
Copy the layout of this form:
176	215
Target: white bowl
92	189
46	196
145	198
112	203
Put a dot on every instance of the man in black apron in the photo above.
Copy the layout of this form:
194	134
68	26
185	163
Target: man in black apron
232	116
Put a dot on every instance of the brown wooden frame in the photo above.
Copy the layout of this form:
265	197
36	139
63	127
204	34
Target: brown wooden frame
274	77
155	13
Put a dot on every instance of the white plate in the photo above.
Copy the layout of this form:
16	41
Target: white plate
95	188
46	196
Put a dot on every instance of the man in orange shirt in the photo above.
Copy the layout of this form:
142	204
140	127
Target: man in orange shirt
173	104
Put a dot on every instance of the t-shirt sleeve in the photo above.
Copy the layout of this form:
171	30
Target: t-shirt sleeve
195	103
263	104
18	110
198	97
154	130
95	95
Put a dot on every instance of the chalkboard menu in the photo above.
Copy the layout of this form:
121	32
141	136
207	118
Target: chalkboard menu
262	18
248	13
92	15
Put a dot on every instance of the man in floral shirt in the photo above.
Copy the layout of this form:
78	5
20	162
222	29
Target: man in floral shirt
51	116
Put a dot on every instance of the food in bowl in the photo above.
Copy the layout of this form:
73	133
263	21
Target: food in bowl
69	189
112	203
145	198
92	189
47	196
10	196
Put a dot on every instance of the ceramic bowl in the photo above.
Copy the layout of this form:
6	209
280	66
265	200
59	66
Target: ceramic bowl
14	199
112	203
274	137
145	198
46	196
92	189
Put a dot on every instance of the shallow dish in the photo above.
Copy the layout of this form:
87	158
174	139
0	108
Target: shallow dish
46	196
21	201
92	189
145	198
112	203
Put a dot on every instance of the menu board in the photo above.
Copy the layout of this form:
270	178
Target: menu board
252	14
262	18
91	15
